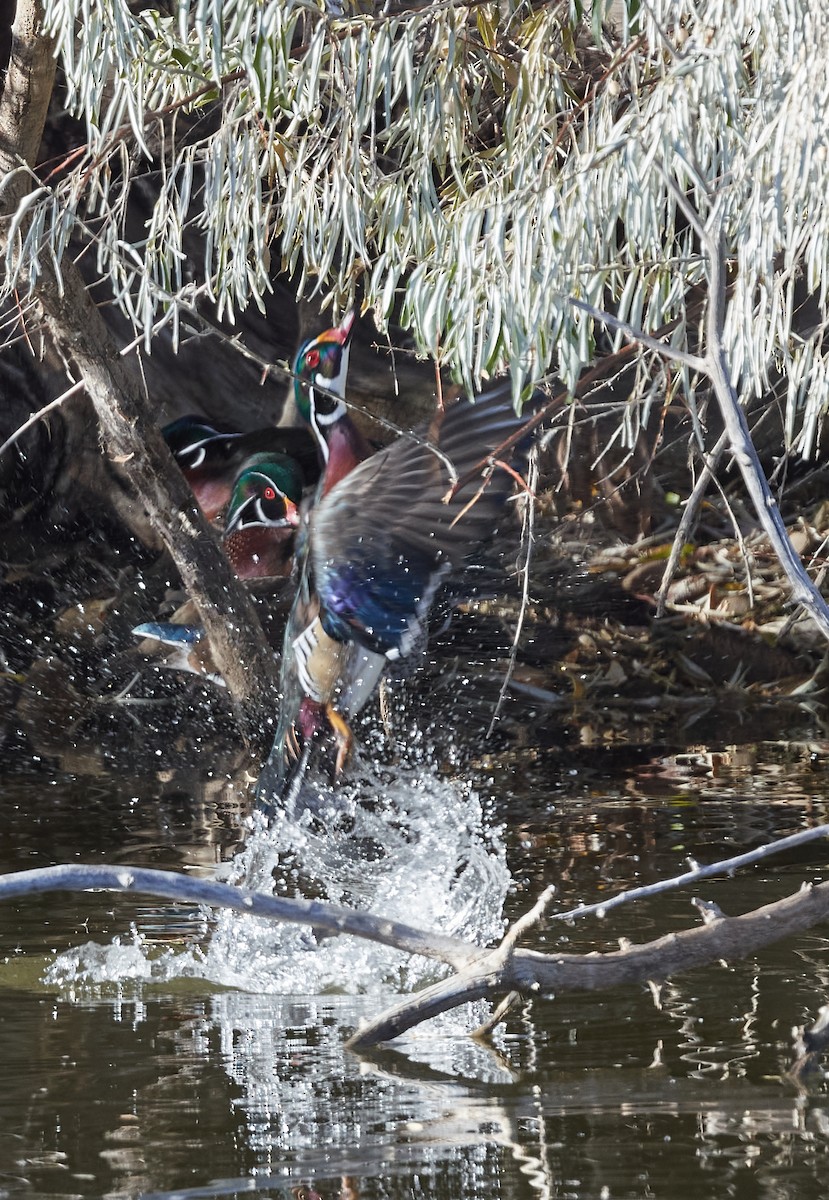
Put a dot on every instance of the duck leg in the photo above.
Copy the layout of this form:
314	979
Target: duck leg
344	736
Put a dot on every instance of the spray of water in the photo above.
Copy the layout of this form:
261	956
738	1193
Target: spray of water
408	845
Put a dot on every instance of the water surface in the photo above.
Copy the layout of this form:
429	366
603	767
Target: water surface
152	1049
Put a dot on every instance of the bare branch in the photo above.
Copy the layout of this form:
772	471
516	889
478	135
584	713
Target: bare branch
480	973
691	361
725	867
529	920
532	973
41	412
715	366
688	520
803	590
172	886
528	538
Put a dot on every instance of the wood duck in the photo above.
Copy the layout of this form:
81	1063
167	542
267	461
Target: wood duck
376	549
263	499
258	539
210	459
263	517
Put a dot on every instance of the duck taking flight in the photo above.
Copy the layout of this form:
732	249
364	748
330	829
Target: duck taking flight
376	548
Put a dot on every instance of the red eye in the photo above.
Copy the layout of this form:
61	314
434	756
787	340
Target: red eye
269	493
312	358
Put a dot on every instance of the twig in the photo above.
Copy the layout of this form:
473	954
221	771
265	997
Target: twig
528	537
528	921
554	404
726	867
41	412
501	1011
739	539
691	361
124	131
72	391
688	520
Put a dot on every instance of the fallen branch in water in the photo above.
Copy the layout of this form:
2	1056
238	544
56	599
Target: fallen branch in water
171	885
532	973
479	973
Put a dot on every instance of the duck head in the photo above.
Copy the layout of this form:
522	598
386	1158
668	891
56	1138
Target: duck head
266	494
320	370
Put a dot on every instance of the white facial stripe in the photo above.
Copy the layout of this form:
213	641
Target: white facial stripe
333	387
337	384
329	418
321	442
267	522
268	482
239	517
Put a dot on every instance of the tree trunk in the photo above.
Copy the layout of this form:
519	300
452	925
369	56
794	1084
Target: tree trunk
129	433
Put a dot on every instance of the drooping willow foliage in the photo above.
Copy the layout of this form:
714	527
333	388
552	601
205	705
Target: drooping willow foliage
470	167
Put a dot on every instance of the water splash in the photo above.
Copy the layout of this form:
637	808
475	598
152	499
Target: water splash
406	845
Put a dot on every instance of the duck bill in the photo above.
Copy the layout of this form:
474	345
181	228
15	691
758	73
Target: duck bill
342	332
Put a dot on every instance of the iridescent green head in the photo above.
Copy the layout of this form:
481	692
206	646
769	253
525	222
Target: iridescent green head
320	370
267	493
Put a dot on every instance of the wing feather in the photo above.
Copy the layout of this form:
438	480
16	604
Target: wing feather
382	533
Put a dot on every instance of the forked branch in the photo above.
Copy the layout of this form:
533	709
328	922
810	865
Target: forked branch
714	365
479	973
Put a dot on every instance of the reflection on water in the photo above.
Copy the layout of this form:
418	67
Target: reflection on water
204	1056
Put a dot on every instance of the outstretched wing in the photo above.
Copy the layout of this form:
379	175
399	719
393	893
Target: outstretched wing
386	535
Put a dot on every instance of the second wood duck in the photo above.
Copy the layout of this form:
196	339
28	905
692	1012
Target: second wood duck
211	459
258	539
263	517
